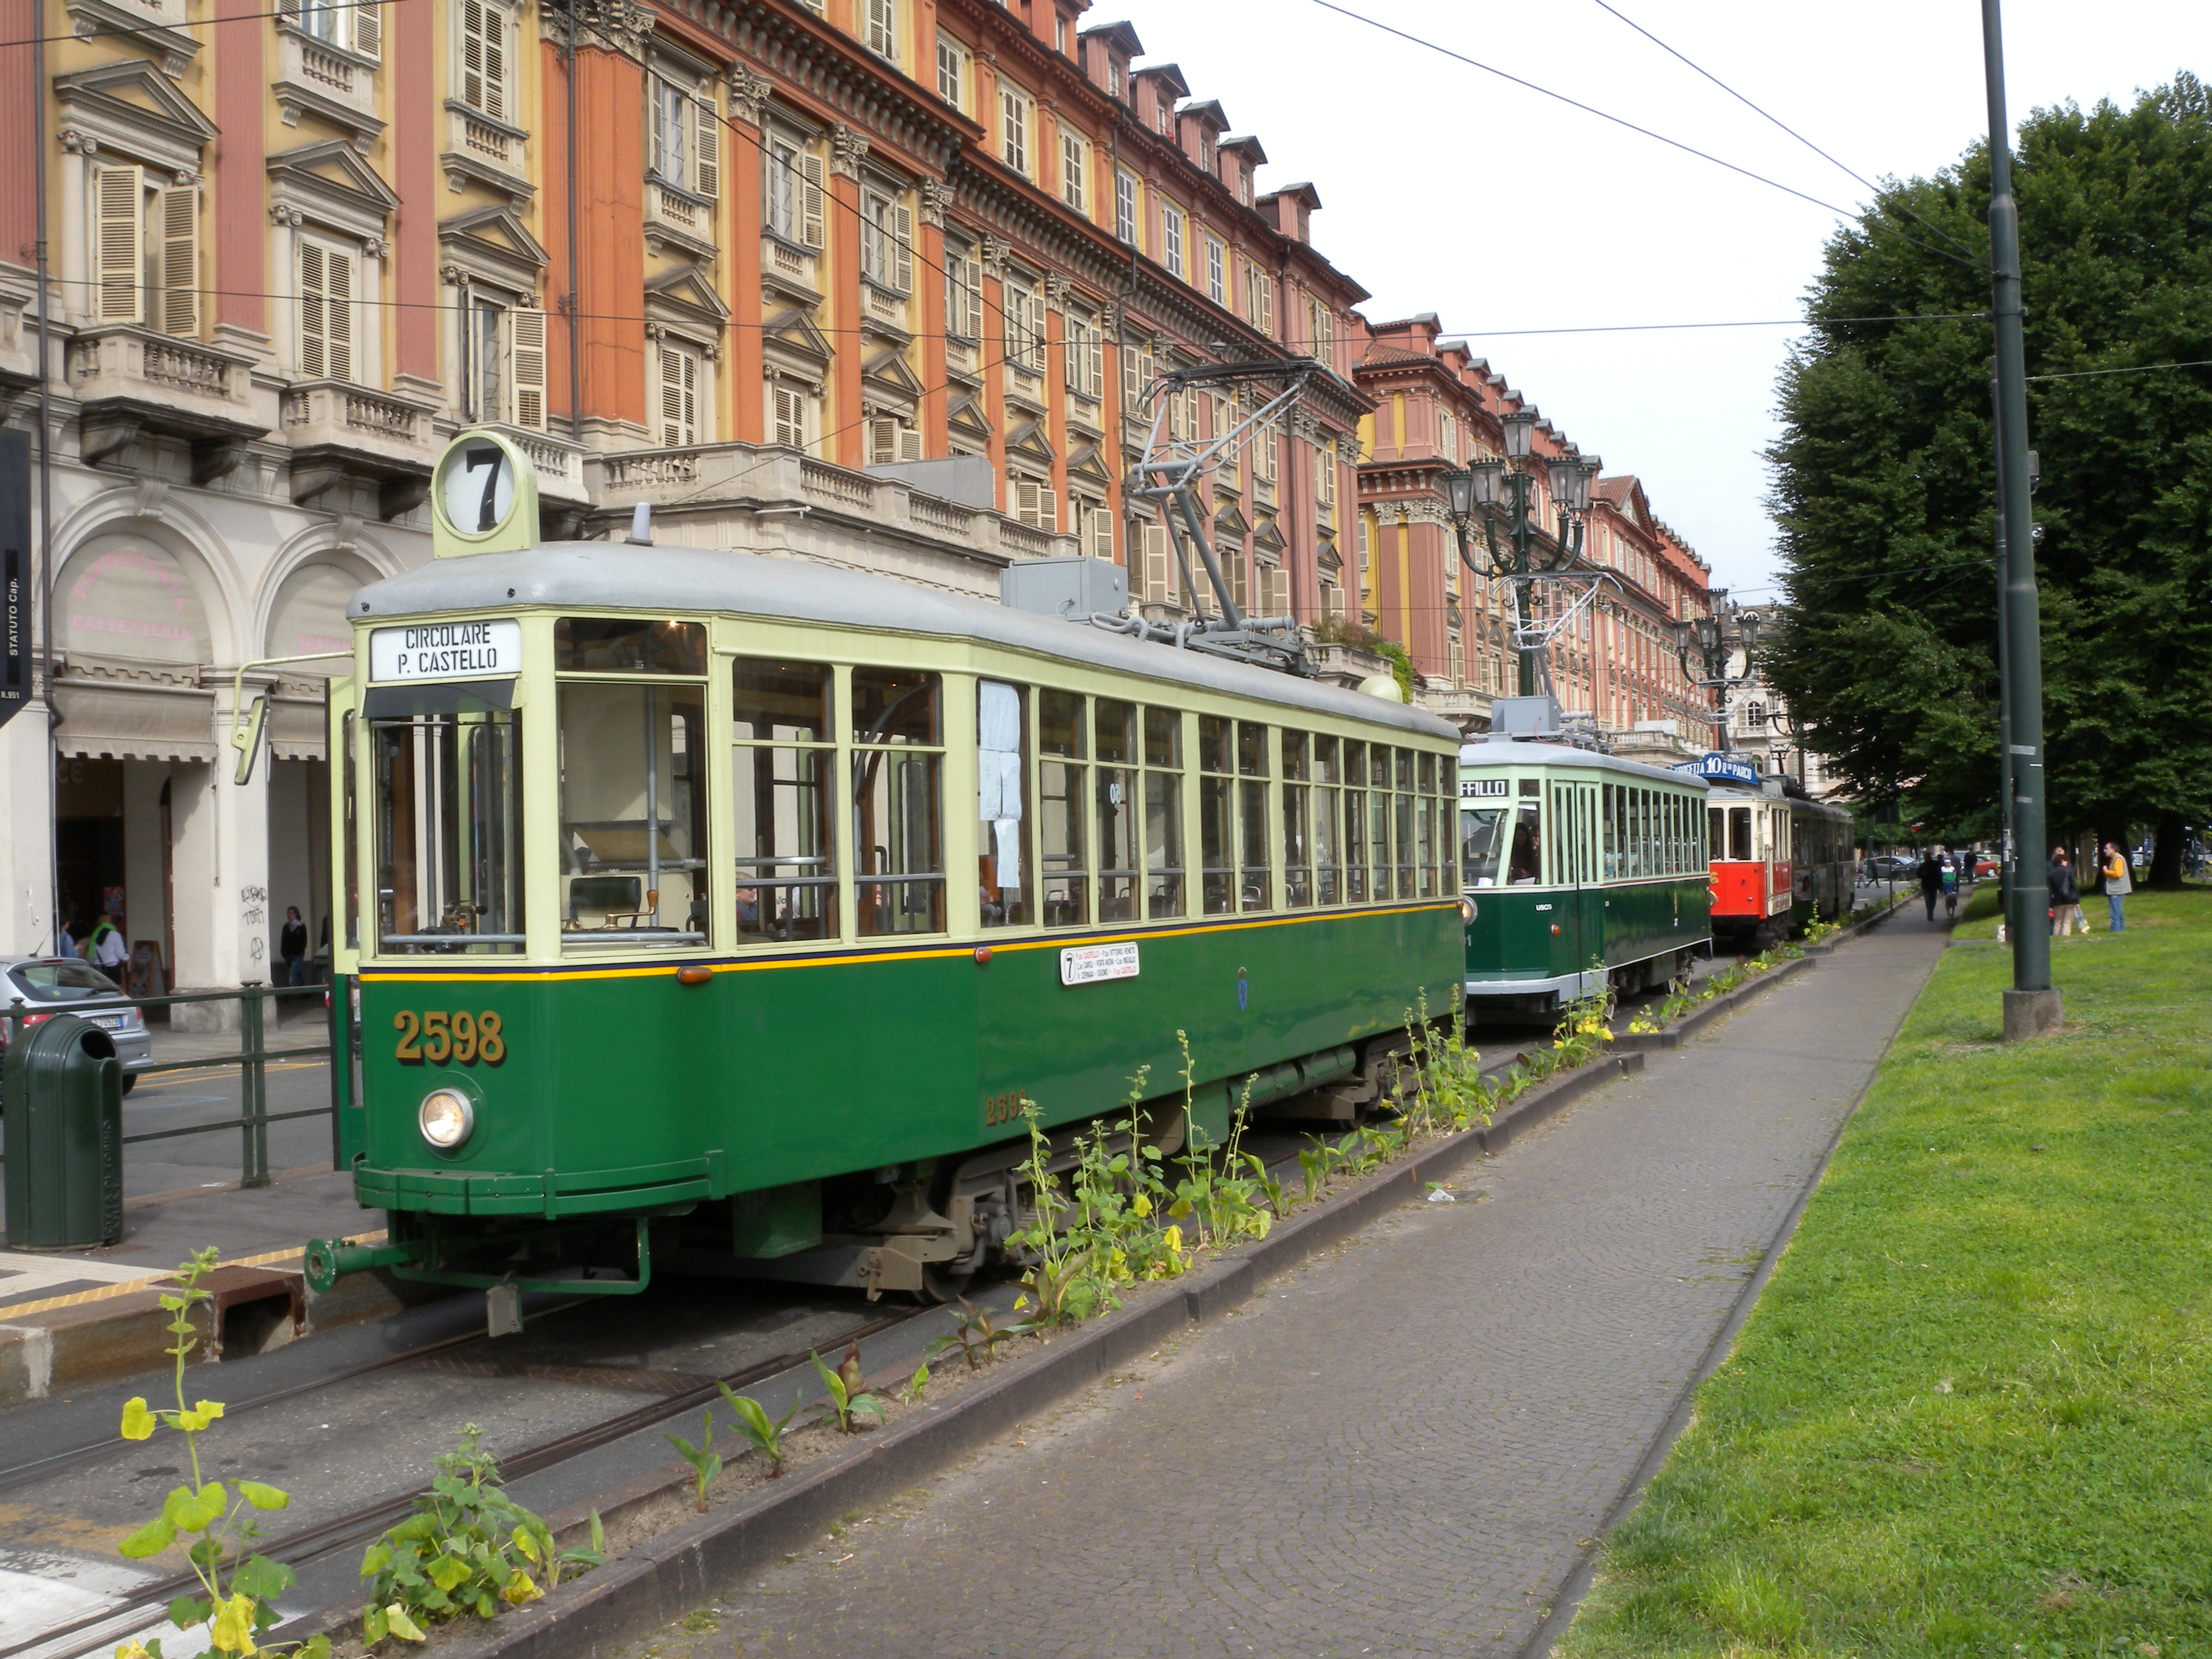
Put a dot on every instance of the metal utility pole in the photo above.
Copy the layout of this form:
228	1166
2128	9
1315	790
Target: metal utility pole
2032	1006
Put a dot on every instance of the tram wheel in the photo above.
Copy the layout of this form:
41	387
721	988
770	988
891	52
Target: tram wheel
940	1282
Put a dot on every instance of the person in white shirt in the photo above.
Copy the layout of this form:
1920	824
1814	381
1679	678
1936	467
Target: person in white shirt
108	949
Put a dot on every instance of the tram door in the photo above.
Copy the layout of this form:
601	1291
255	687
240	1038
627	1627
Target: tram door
1573	822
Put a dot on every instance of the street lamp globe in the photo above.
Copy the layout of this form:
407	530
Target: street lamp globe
1747	625
1564	470
1459	493
1585	476
1520	432
1487	473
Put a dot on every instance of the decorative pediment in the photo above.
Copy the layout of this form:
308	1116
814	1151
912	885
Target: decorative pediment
1328	557
131	106
493	241
967	418
1030	442
792	333
330	183
1229	519
887	373
1266	539
1086	463
683	297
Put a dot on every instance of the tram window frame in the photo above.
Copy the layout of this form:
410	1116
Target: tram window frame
593	848
1295	750
1425	822
1326	757
1381	818
1405	834
1113	742
802	771
1217	807
349	727
903	749
1166	871
497	928
1740	845
672	649
1255	830
1063	798
1354	804
1002	836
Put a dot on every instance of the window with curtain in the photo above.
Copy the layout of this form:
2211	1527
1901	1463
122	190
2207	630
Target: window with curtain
1001	788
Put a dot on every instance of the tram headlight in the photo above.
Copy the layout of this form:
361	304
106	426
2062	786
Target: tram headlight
1466	911
446	1118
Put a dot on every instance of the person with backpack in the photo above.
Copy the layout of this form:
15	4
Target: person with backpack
2065	894
2119	882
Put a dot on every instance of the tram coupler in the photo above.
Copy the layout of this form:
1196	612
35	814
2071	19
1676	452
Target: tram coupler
329	1260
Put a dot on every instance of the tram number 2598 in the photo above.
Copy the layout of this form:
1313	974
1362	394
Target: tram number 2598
1002	1109
438	1036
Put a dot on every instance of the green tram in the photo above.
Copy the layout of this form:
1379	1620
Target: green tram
721	911
1579	870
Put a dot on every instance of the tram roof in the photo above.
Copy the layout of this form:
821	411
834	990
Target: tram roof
660	580
1560	755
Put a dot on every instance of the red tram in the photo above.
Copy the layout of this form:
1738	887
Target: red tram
1780	860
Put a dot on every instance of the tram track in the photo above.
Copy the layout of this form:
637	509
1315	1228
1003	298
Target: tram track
675	1393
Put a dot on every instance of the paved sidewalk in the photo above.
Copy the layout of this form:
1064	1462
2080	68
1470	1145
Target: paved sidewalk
1405	1448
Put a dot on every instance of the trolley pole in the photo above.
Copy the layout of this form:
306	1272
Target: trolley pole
2031	1007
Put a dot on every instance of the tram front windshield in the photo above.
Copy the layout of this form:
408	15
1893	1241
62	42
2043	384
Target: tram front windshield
1492	836
449	824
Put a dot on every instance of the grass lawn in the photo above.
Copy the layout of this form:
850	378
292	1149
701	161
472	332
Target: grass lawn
1972	1411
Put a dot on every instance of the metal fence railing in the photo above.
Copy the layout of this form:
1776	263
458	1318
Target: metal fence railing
252	1058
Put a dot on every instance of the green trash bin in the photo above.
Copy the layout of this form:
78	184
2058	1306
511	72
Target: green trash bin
63	1093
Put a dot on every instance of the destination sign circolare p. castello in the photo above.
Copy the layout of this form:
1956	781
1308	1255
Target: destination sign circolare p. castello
446	651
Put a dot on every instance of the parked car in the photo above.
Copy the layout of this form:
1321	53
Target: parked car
43	982
1887	866
1985	866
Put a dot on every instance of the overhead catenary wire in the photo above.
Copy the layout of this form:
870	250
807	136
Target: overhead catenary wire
196	23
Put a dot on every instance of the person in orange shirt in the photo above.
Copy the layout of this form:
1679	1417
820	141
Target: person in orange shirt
2119	883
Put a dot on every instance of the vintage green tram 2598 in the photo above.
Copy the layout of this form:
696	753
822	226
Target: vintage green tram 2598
720	911
1581	870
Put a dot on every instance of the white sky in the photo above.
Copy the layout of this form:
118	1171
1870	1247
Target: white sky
1445	189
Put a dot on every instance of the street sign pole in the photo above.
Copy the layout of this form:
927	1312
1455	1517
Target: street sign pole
2031	1007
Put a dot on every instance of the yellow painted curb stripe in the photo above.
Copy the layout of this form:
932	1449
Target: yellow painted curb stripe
159	1281
1026	942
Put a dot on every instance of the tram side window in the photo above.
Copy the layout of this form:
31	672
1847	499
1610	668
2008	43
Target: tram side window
352	844
1114	733
1297	845
1002	877
1484	834
1061	793
1716	834
1379	822
1327	775
898	778
1217	768
1426	837
1255	881
632	814
1403	832
1163	844
1739	833
785	758
1355	822
625	644
448	833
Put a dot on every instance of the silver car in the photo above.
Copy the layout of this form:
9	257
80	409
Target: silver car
39	987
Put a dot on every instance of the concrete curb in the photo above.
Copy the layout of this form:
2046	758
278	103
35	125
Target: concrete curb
660	1581
1705	1012
1827	946
61	1348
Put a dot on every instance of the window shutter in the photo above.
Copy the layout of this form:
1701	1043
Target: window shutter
483	58
882	440
708	178
119	248
287	11
883	28
526	361
812	172
909	443
679	396
1048	509
1102	533
901	227
974	268
180	212
312	355
1025	500
337	316
368	31
656	125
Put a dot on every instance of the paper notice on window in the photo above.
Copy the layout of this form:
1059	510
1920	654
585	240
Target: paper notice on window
1088	964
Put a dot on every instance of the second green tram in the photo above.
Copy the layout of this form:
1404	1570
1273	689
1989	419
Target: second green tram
1579	870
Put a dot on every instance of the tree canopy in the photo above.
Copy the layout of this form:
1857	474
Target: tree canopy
1884	477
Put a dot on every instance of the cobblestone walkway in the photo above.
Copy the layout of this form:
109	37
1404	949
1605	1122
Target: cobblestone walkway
1401	1448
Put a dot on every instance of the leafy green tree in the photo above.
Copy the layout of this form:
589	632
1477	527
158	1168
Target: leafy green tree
1885	482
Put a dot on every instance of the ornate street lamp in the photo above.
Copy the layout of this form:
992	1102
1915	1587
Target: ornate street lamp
1491	484
1714	639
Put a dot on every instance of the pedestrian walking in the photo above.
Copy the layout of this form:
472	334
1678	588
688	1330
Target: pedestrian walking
292	944
1931	880
1950	889
108	950
2065	894
2119	882
65	935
